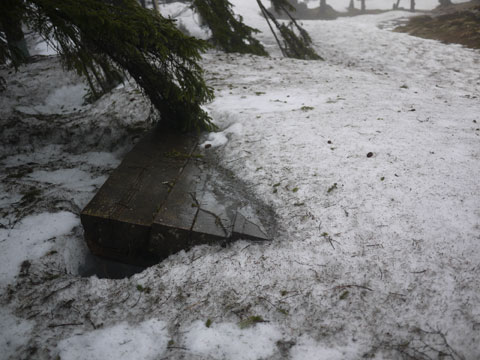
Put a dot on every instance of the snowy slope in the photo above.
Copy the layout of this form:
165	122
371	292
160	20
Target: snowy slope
375	256
342	5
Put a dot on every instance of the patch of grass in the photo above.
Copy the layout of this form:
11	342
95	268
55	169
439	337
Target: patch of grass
282	311
144	289
331	188
307	108
208	323
250	321
31	195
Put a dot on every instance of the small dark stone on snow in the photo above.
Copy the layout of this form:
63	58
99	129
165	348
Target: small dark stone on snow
208	146
370	154
329	141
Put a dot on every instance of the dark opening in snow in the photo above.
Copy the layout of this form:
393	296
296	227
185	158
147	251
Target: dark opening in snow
107	269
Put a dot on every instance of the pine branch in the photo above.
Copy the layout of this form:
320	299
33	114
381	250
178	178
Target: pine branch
228	32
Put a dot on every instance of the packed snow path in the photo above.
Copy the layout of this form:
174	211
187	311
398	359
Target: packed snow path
371	162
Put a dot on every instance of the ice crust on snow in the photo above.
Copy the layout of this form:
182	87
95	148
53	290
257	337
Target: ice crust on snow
66	99
147	340
14	332
69	179
30	238
308	348
220	138
373	252
228	341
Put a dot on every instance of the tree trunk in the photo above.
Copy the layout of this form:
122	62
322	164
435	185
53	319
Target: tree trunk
351	6
155	5
142	2
362	4
323	5
265	15
412	5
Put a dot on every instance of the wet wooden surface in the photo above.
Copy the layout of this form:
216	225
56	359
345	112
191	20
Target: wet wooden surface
152	205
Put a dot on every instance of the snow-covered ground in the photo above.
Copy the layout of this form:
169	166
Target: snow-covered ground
342	5
375	256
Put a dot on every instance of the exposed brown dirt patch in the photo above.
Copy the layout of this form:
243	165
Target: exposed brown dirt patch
458	23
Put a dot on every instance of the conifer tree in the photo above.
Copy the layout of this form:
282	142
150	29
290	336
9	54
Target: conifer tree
106	39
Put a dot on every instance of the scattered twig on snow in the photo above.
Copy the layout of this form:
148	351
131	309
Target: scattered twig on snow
165	301
56	291
330	240
136	302
122	301
195	304
246	247
35	314
240	158
87	316
218	220
350	286
421	348
67	324
297	293
177	348
310	265
454	354
268	301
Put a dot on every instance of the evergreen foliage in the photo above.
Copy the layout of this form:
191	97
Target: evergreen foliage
104	39
4	53
12	45
294	46
228	32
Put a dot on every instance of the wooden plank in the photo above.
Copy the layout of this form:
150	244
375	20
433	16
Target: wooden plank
247	230
171	228
118	220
